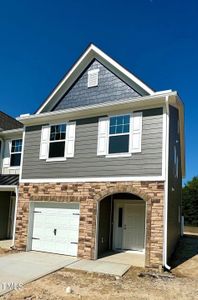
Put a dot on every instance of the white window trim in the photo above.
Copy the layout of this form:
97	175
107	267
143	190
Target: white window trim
15	167
124	154
63	158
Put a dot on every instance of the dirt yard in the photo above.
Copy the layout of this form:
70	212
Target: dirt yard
131	286
92	286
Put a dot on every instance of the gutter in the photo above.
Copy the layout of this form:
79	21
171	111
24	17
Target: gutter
166	266
84	111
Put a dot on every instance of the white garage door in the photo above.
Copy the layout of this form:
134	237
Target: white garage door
55	229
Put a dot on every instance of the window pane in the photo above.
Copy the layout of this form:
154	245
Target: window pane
119	129
126	128
126	119
112	121
119	124
120	217
120	120
112	129
15	160
58	132
119	144
16	146
57	149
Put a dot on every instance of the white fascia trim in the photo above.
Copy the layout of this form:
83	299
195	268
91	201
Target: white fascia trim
8	188
93	179
64	79
90	52
121	69
77	112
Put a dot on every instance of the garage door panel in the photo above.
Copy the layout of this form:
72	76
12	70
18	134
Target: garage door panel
56	229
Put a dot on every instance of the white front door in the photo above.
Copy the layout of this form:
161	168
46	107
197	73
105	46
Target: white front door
129	225
133	231
56	229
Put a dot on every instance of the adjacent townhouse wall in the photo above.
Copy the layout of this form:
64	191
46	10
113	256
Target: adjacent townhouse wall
6	169
174	183
86	163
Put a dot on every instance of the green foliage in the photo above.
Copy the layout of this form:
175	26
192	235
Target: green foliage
190	202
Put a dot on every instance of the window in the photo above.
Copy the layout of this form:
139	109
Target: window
119	133
16	148
120	216
92	78
57	141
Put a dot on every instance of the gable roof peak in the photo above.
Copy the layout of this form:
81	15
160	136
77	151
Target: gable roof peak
93	52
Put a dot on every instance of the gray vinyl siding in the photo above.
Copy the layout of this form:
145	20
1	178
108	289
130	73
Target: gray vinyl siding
86	163
174	184
110	88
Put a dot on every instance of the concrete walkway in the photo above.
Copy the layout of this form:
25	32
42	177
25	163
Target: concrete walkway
132	258
99	266
20	268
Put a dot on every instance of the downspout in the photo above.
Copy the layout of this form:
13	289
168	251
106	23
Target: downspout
166	266
1	154
15	216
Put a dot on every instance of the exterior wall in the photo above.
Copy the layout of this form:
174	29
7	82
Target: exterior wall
88	195
110	88
86	163
174	185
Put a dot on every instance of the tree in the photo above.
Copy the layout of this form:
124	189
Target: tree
190	202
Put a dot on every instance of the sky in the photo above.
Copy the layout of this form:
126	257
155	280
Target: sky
157	40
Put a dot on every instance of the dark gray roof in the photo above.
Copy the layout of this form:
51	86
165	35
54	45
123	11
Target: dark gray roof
8	123
9	179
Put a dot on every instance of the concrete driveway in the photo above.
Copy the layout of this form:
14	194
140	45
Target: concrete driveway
20	268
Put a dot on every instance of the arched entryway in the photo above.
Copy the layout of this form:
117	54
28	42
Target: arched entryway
121	224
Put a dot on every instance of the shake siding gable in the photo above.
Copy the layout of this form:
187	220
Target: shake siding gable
109	88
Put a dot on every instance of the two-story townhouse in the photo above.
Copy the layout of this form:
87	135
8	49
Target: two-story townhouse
102	163
11	132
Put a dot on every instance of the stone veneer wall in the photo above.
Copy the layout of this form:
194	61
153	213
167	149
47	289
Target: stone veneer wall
88	194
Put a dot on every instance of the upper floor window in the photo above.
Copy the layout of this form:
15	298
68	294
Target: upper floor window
15	156
119	134
57	141
92	78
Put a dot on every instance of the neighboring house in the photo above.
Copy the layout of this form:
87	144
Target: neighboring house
102	163
11	132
